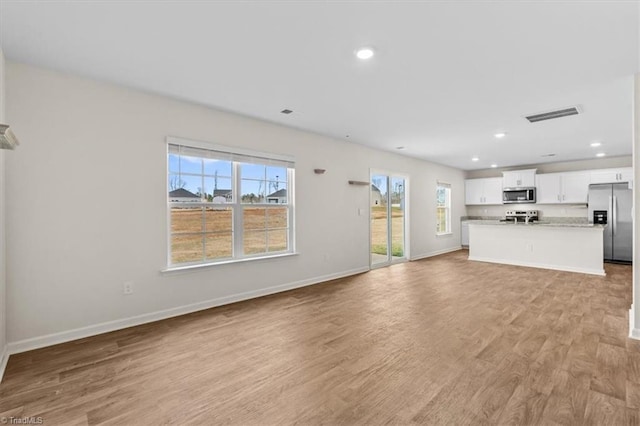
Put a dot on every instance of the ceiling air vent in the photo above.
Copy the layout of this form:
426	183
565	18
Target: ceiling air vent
564	112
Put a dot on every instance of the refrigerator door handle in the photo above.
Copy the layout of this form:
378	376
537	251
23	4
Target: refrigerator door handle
610	220
614	212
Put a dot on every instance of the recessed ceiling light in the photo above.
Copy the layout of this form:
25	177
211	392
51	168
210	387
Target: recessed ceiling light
595	144
600	154
365	53
493	166
500	135
475	159
548	155
286	111
400	147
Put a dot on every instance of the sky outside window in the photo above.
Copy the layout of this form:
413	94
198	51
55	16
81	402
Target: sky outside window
257	181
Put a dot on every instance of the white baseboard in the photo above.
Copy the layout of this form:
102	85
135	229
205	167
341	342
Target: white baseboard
4	359
435	253
105	327
541	266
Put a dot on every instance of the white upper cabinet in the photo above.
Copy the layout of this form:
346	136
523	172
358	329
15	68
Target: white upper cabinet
551	188
559	188
519	179
483	191
623	174
575	187
626	174
548	189
474	191
493	191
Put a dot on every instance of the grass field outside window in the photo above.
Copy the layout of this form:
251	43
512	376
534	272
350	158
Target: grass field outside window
209	222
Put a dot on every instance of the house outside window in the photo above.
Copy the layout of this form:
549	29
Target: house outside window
226	205
443	208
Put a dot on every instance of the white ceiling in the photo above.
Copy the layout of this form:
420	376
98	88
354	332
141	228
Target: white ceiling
446	76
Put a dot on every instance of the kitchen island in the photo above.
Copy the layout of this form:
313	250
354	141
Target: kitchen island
573	247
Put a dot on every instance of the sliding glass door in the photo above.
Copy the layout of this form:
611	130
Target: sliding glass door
388	219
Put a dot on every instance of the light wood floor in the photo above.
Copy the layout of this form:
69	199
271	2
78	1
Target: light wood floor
438	341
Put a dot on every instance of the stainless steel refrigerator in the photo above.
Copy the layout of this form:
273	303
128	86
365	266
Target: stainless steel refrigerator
610	204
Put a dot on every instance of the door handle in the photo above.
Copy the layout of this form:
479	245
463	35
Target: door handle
564	197
610	211
615	214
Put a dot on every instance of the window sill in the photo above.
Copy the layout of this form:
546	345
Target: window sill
444	234
224	262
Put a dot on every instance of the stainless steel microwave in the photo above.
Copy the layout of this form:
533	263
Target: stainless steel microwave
518	195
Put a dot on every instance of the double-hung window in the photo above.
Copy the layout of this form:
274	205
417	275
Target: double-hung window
443	208
226	205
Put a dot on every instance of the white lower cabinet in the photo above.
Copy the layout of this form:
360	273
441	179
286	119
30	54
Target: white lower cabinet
464	234
563	188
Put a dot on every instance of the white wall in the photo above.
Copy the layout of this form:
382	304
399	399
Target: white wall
88	204
3	286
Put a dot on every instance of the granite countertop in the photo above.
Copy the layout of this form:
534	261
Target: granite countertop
569	224
545	223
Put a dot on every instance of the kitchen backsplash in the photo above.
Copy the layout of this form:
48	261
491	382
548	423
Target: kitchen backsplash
546	210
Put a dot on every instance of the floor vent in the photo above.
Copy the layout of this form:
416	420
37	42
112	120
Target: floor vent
565	112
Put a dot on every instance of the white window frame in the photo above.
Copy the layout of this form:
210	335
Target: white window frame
447	208
237	206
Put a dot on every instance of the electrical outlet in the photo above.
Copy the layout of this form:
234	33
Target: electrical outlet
127	287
